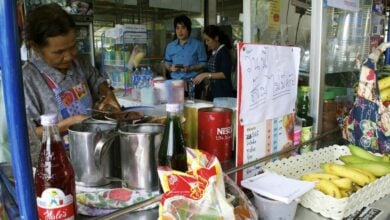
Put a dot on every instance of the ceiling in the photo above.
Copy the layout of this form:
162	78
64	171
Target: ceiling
142	13
139	13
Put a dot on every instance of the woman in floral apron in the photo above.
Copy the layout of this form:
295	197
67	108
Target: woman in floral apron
55	79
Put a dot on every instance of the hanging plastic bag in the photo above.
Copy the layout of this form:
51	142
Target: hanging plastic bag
368	123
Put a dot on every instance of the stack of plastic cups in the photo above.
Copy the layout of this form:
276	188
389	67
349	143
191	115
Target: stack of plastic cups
175	92
161	90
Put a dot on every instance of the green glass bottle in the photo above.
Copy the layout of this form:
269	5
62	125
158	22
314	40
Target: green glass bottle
172	150
307	120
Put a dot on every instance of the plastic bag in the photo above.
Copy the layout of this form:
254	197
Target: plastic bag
368	123
204	192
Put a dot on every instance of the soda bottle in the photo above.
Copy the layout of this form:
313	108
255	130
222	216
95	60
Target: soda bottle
54	178
172	150
307	121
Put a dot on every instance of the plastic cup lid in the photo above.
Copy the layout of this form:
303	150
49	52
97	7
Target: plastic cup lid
174	107
49	119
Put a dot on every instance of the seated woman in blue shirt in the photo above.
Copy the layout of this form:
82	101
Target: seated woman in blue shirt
185	56
219	65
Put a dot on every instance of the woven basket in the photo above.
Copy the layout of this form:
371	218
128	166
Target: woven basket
315	200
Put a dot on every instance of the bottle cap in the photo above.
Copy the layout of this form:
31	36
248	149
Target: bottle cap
304	88
175	107
49	119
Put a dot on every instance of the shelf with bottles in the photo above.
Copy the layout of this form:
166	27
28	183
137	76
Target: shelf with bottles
120	53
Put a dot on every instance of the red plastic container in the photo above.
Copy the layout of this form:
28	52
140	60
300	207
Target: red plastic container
215	132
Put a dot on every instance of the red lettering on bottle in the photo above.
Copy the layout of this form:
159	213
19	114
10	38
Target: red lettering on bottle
64	212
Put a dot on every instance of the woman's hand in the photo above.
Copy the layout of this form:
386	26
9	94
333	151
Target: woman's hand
173	68
186	69
200	77
63	125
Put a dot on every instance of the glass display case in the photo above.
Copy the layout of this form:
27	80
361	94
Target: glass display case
345	31
84	38
333	43
117	45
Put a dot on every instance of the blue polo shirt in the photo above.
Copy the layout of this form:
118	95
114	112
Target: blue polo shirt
191	53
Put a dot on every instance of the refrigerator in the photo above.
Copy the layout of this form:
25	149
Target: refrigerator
84	37
83	17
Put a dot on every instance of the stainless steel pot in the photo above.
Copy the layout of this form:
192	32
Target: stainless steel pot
83	139
139	145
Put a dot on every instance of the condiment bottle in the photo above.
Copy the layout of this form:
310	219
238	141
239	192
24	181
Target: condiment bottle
307	121
172	150
329	115
297	131
54	178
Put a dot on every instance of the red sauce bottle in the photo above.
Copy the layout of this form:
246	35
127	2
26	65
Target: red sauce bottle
54	178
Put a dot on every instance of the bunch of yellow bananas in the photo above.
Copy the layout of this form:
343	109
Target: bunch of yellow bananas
378	165
360	169
338	180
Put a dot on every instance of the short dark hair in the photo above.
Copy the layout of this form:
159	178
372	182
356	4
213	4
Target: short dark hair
214	31
182	19
47	21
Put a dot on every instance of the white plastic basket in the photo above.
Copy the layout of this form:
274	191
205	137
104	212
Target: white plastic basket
315	200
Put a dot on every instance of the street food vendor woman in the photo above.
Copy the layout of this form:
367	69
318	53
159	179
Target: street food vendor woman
55	79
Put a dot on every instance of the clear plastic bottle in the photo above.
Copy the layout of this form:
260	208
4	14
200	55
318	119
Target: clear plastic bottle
172	150
135	90
55	186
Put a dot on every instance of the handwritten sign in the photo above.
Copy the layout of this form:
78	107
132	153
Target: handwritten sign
269	81
267	77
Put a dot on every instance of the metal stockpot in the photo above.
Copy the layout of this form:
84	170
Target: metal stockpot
139	145
83	140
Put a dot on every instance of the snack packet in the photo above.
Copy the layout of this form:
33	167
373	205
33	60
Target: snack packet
200	193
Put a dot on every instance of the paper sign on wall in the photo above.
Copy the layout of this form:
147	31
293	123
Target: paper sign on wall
269	81
275	68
